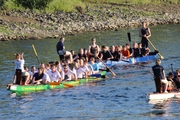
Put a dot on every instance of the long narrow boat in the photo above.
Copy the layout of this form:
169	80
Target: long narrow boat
160	96
129	61
66	84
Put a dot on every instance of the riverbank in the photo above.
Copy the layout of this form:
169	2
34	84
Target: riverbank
22	25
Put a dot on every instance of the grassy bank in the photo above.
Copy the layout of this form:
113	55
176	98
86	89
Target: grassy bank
71	5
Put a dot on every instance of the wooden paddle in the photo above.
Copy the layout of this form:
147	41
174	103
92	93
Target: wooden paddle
107	67
35	53
155	49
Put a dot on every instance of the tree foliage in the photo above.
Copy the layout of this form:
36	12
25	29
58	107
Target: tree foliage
2	2
31	4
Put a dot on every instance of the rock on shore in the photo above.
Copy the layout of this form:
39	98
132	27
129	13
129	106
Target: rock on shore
22	25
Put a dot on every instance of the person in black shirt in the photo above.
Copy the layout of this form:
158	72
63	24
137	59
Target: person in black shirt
114	53
60	48
105	54
159	76
144	33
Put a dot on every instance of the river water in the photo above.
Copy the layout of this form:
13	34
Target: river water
122	97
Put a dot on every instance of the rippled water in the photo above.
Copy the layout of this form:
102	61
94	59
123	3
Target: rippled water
122	97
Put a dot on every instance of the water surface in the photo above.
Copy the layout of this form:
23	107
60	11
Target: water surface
122	97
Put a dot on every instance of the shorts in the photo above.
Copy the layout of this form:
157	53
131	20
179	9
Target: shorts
61	52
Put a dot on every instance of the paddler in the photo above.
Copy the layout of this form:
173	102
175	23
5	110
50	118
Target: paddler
159	76
40	77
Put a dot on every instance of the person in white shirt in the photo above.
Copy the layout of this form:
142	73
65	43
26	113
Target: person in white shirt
19	67
54	75
80	73
47	66
68	74
84	67
46	78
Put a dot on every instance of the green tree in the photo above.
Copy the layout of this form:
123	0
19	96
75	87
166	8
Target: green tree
31	4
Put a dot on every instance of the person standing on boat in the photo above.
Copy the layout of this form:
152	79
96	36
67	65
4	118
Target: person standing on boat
144	33
19	67
93	49
61	50
159	76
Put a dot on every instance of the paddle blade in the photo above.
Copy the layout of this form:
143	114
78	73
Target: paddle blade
129	36
161	57
68	85
54	83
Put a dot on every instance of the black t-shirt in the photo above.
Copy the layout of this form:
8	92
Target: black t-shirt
106	55
136	52
158	71
115	55
82	56
59	46
37	76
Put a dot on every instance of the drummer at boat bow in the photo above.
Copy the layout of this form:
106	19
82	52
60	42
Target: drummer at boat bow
159	76
61	50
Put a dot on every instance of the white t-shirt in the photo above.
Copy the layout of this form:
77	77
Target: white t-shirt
79	72
85	68
54	76
68	75
19	64
46	78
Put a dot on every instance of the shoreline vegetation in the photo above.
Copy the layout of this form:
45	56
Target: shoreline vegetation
70	17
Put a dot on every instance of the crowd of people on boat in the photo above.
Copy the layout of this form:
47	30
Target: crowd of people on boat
114	53
53	71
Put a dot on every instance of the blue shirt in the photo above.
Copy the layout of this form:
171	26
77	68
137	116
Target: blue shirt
95	66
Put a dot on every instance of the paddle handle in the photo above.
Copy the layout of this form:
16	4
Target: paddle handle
35	53
107	67
155	49
34	50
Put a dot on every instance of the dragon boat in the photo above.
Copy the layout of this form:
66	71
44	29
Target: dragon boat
57	85
129	61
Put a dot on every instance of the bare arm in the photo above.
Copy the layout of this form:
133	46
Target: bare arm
89	50
149	33
22	56
164	74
